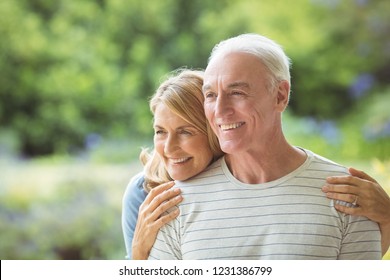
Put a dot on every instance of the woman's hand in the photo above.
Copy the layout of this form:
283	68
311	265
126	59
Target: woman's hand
151	218
367	196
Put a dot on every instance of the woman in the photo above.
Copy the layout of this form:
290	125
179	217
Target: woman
184	146
179	120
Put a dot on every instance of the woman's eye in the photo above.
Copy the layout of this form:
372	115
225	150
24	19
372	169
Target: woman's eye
186	132
157	132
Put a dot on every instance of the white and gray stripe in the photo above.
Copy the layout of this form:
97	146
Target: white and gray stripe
290	218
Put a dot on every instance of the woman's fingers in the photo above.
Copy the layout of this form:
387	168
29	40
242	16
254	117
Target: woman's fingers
157	190
349	180
367	197
347	197
340	188
166	218
165	206
157	195
361	174
159	200
163	198
154	212
348	210
348	183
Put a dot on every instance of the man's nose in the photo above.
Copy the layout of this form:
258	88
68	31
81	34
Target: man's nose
222	106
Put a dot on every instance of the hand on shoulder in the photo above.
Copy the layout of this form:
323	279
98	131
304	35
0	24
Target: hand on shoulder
152	216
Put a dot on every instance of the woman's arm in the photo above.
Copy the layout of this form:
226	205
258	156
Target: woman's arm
133	197
141	215
369	198
152	216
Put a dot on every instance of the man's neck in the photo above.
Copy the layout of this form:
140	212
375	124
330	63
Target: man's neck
256	167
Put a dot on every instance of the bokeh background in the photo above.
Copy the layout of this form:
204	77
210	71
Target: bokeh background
76	75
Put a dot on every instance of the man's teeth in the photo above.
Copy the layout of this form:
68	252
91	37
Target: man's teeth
179	160
230	126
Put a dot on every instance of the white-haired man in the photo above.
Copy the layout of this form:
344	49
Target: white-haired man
263	199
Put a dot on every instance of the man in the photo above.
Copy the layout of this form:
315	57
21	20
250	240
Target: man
263	200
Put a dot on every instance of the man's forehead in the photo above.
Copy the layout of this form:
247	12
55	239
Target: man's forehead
220	68
233	69
232	62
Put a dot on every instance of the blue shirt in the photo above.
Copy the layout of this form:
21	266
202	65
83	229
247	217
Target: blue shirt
132	200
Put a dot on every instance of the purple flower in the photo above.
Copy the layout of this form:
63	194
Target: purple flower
362	84
92	141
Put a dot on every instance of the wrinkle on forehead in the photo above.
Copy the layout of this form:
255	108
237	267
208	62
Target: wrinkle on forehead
234	70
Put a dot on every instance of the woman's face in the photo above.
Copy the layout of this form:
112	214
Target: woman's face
183	148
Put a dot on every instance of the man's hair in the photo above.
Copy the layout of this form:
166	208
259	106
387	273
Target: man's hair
269	52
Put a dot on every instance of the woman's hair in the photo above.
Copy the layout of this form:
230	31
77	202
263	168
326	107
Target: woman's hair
270	53
182	93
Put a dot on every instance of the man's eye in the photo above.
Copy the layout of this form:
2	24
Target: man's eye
210	95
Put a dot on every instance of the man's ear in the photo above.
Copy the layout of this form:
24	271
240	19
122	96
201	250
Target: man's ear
282	95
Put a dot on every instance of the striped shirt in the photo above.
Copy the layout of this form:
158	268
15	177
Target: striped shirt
289	218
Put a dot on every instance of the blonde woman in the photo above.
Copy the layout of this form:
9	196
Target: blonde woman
184	146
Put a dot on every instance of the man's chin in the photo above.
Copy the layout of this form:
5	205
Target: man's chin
230	147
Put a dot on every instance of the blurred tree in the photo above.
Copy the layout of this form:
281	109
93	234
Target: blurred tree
351	60
339	49
75	68
72	68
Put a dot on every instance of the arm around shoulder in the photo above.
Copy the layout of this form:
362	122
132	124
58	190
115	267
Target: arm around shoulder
367	194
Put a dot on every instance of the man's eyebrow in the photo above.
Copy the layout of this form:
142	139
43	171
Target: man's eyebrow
238	85
232	85
206	87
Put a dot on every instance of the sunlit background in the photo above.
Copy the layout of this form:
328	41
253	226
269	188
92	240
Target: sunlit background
76	75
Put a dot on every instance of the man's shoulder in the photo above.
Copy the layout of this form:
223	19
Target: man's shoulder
211	173
318	162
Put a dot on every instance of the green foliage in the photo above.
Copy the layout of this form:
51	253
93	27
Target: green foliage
367	128
62	210
76	73
362	134
72	68
75	68
329	56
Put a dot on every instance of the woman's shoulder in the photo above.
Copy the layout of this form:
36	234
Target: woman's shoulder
135	189
137	180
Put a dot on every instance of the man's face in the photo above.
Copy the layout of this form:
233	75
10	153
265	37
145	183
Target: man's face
239	104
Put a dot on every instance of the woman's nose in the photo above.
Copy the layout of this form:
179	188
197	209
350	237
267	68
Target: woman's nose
171	144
